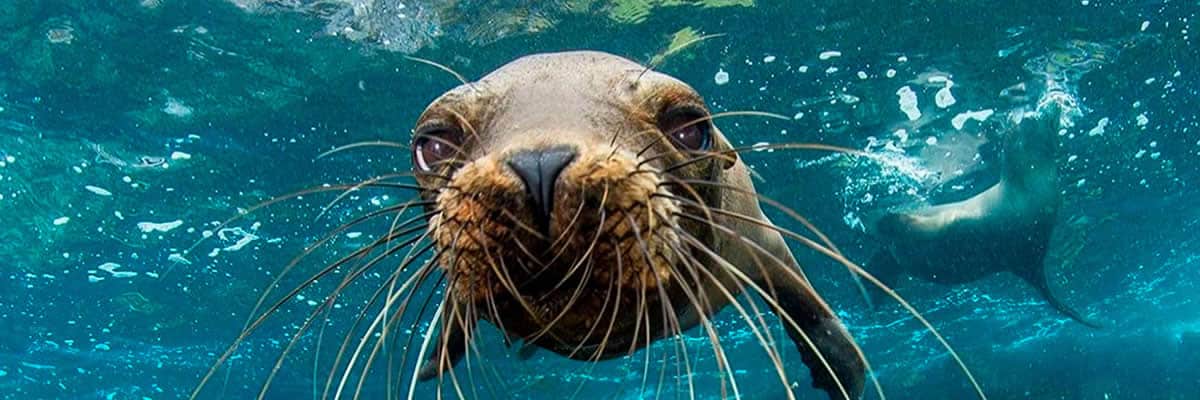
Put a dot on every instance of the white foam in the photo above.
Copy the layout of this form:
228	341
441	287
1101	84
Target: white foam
98	190
353	235
769	59
721	77
179	155
176	108
61	220
1142	120
244	238
178	258
961	119
111	268
825	55
1099	128
908	103
944	98
148	227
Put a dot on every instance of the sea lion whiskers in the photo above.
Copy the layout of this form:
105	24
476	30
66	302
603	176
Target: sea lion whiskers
702	311
599	315
435	321
525	227
391	235
706	118
759	329
763	335
387	324
575	294
770	298
266	203
786	210
858	270
647	350
451	71
365	183
586	254
770	201
365	143
705	155
571	225
443	358
599	319
330	299
255	322
412	327
428	335
676	330
471	314
418	277
616	307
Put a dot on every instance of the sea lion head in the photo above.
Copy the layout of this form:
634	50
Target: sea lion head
556	186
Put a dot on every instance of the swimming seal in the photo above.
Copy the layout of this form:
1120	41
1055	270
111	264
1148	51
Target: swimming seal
1005	228
588	206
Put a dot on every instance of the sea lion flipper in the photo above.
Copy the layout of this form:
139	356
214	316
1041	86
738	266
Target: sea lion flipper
1036	276
526	351
828	336
450	348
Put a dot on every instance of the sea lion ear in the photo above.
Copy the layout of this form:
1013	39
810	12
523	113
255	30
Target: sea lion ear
722	150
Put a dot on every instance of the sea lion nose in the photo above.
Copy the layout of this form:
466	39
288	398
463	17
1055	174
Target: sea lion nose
539	170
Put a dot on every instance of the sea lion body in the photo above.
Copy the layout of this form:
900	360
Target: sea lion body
1006	228
563	216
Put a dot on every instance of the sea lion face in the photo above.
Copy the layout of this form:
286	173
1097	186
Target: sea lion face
557	185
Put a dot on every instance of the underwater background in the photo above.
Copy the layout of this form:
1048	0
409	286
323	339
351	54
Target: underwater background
131	129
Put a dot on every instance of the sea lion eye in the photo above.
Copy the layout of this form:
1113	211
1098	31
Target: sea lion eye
687	127
434	146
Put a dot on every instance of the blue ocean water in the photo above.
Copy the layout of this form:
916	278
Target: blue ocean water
131	131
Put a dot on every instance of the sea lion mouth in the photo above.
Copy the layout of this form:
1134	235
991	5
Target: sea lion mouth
613	224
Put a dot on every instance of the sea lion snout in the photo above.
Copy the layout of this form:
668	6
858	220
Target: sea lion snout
539	170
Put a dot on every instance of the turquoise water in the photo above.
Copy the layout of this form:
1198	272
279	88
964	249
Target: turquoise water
130	130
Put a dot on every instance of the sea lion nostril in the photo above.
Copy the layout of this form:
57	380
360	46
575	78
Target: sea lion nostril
539	170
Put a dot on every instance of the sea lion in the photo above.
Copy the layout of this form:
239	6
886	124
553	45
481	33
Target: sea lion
1007	227
589	206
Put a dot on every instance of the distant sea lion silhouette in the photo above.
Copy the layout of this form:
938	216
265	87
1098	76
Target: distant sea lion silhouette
1005	228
